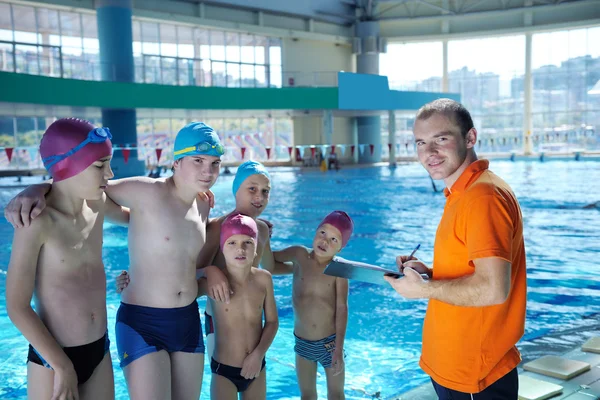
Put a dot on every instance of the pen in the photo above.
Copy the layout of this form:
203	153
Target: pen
414	251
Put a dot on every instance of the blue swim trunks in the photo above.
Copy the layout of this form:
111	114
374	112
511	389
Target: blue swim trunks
143	330
317	351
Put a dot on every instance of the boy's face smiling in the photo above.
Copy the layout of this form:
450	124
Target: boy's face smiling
239	251
328	241
200	171
91	183
253	194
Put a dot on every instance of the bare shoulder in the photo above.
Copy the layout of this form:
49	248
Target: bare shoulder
262	276
262	226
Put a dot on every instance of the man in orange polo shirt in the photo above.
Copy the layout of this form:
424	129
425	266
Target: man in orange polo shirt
477	290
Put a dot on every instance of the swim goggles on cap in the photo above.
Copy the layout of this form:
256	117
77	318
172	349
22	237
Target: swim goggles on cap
97	135
203	147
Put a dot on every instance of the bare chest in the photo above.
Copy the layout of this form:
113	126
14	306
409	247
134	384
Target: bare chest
310	282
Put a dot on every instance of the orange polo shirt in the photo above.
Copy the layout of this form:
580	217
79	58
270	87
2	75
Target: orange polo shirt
469	348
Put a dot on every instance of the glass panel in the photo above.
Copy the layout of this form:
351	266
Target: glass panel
168	40
6	28
185	40
218	74
27	59
274	51
169	71
151	69
233	46
150	38
233	75
24	21
217	45
6	57
424	75
248	79
247	48
261	49
260	76
275	77
206	73
201	40
186	72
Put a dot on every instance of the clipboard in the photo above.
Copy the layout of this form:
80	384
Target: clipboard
359	271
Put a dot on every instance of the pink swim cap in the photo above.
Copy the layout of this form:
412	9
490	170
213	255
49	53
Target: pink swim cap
70	145
341	221
238	224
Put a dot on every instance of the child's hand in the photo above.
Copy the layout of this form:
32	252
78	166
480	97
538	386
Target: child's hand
27	205
209	197
251	365
337	361
218	285
65	384
122	281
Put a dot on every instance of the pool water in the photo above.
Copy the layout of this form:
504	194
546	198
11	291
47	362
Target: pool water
393	210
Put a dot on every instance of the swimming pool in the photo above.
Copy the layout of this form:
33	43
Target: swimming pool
393	210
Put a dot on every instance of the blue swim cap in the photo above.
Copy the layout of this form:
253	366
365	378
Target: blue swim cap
197	138
247	169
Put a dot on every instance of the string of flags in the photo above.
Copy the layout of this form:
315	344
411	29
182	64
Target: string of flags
244	145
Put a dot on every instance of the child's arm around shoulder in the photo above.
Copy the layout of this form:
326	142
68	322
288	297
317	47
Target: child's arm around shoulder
288	259
20	284
128	191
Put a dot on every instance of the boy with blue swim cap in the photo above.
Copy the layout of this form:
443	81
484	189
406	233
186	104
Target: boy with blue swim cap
158	326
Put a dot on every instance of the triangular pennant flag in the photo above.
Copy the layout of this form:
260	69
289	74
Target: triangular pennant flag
333	149
268	149
312	151
342	148
32	153
361	148
126	154
352	148
298	156
243	152
158	153
324	150
372	147
9	153
290	148
390	147
397	147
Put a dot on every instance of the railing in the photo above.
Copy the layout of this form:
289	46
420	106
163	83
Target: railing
54	61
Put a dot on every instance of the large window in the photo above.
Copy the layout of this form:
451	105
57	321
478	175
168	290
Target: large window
483	71
566	66
413	66
489	75
60	43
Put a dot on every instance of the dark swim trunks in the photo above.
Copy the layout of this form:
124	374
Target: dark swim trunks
233	374
143	330
85	358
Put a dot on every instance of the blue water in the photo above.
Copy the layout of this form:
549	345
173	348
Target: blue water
393	210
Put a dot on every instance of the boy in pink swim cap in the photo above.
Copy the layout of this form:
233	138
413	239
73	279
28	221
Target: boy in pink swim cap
320	306
241	339
57	260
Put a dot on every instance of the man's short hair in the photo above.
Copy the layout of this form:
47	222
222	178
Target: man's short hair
451	109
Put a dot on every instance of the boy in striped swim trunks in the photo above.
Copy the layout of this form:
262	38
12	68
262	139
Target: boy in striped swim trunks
320	306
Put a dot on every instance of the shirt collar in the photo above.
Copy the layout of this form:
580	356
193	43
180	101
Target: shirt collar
465	179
